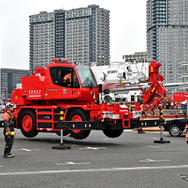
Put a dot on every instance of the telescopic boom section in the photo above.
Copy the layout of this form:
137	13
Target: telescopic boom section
156	94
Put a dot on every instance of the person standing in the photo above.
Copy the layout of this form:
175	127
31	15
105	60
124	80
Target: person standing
8	121
186	131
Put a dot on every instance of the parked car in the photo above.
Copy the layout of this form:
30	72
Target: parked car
175	126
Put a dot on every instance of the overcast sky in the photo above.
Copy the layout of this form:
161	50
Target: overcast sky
127	26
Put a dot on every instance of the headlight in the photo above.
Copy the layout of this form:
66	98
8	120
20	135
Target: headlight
110	115
107	98
137	114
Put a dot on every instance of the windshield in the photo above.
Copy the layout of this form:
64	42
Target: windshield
86	76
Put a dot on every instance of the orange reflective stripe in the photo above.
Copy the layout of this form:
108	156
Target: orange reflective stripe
186	136
6	116
186	126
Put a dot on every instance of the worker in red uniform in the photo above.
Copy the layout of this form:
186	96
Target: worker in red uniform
186	131
8	121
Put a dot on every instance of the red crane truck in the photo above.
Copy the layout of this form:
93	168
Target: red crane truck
66	96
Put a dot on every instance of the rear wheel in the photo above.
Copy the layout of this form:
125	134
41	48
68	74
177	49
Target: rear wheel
113	133
28	123
174	130
79	115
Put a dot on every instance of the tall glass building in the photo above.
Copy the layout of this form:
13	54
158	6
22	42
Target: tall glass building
81	35
167	36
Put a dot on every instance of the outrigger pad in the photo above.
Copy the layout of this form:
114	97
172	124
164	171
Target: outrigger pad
61	147
161	141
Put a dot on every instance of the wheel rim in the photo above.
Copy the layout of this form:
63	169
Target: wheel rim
27	123
76	118
175	131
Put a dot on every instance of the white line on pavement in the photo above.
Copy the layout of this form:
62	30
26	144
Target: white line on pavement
128	130
24	149
92	170
93	148
153	161
72	163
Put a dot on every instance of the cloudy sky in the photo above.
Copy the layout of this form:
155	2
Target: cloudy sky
127	26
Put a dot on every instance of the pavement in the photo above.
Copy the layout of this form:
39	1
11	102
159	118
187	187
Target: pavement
129	161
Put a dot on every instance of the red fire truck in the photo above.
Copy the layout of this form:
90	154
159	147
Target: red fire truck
180	97
66	96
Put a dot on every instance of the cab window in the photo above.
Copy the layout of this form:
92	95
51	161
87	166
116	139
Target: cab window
64	76
87	78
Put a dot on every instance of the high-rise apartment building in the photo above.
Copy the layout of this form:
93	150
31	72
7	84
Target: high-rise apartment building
81	35
167	36
136	57
47	37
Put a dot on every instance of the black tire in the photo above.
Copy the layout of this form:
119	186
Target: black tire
113	133
80	134
174	130
27	123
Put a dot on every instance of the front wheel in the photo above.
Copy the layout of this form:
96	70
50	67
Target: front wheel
27	123
174	130
79	115
113	133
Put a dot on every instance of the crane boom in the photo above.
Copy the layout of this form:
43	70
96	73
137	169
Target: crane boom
156	94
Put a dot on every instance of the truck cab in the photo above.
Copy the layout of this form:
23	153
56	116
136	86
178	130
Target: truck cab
71	82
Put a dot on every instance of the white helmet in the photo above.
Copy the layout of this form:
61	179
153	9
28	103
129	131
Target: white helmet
8	105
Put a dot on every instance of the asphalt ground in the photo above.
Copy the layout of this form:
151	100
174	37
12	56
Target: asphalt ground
132	160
